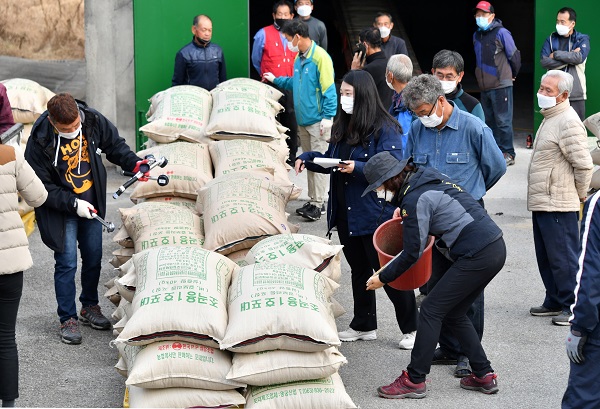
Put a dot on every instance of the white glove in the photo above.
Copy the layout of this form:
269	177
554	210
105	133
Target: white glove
83	208
269	76
326	125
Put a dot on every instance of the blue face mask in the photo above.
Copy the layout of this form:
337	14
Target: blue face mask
482	22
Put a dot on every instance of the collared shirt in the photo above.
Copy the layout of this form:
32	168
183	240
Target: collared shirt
464	149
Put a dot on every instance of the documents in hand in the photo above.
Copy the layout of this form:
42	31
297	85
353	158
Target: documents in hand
328	162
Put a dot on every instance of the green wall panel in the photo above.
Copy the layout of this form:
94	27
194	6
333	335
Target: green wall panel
545	21
162	27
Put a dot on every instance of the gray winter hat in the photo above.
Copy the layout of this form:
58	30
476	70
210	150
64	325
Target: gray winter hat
381	167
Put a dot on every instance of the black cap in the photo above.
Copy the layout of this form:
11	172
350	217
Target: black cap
381	167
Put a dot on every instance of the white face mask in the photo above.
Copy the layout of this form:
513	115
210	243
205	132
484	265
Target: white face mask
347	104
389	83
432	120
385	31
293	48
385	195
562	30
70	135
448	86
545	101
304	11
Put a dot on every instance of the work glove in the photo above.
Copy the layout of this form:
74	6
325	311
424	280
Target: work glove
269	76
326	125
575	342
142	165
83	208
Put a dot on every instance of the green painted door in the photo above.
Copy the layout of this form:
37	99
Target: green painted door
545	22
162	27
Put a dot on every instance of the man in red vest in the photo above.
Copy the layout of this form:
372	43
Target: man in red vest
270	53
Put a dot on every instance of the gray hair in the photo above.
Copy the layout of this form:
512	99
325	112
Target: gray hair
447	58
401	67
424	89
565	80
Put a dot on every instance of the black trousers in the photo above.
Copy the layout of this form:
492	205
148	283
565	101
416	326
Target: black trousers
447	303
287	118
11	288
362	257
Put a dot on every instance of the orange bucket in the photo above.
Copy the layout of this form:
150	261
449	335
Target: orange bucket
387	240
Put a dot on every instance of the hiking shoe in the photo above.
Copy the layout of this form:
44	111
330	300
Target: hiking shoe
542	311
402	387
510	160
93	317
353	335
69	332
441	357
323	209
462	369
487	384
562	318
312	213
302	209
408	340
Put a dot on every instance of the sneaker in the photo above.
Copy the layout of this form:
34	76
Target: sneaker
69	332
488	384
462	369
93	317
408	340
562	318
353	335
441	357
510	160
542	311
304	207
312	213
402	387
323	209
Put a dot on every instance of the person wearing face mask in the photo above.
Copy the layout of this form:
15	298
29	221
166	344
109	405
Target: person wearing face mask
449	67
567	49
375	62
362	129
498	62
398	72
270	53
201	62
432	204
390	44
316	28
64	150
315	105
559	175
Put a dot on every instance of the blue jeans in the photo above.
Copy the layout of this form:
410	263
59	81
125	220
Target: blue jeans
497	106
88	234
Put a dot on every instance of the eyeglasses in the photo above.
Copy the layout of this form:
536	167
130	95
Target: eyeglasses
430	111
447	77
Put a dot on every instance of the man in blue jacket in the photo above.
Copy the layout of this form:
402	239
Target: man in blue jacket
583	339
201	62
315	103
498	62
567	50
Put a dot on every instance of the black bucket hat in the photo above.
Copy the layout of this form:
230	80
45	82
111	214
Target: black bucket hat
381	167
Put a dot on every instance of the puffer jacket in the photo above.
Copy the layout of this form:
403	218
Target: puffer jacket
561	167
16	176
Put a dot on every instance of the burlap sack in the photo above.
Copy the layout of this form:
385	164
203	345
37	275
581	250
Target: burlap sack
304	250
592	123
113	295
119	325
181	295
326	393
125	268
122	310
27	99
595	182
245	109
122	238
180	112
189	204
181	365
239	257
279	306
243	208
266	90
595	153
126	285
184	398
271	367
121	256
189	168
244	155
152	224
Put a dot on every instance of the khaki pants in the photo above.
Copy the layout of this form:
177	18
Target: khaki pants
312	140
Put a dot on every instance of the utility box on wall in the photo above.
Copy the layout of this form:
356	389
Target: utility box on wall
162	27
545	22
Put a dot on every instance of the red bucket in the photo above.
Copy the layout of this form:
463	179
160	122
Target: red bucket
387	240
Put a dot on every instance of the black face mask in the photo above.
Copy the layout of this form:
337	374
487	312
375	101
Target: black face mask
279	22
201	41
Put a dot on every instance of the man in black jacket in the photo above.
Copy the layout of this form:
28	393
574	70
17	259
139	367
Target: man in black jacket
375	62
64	151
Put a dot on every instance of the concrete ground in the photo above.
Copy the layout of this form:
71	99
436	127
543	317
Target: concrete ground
527	352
